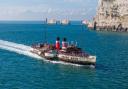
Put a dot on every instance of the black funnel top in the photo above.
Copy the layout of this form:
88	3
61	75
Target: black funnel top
64	39
58	38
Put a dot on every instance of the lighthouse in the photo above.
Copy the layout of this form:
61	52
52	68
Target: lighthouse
58	43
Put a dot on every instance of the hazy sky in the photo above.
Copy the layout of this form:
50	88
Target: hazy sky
40	9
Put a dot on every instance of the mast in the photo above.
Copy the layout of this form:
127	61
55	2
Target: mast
45	38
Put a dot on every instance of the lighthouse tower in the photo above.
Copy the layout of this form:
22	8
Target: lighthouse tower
58	43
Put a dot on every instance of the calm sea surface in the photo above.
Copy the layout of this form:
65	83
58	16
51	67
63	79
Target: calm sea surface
21	72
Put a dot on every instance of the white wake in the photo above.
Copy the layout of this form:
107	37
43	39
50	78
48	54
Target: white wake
25	50
18	48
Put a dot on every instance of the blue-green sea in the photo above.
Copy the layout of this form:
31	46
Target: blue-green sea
18	71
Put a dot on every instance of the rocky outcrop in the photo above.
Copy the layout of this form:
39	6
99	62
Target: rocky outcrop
112	15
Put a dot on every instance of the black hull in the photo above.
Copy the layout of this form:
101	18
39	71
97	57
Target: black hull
68	61
78	62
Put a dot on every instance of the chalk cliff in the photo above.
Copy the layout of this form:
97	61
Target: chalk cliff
112	13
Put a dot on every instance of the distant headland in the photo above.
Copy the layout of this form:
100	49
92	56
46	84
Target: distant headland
112	15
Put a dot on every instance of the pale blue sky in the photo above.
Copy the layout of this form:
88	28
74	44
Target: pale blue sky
40	9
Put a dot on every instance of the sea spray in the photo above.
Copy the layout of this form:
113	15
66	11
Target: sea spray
19	50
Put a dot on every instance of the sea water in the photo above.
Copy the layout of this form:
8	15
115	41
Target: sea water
21	70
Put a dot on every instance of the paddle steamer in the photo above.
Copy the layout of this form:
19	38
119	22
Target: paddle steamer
67	53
